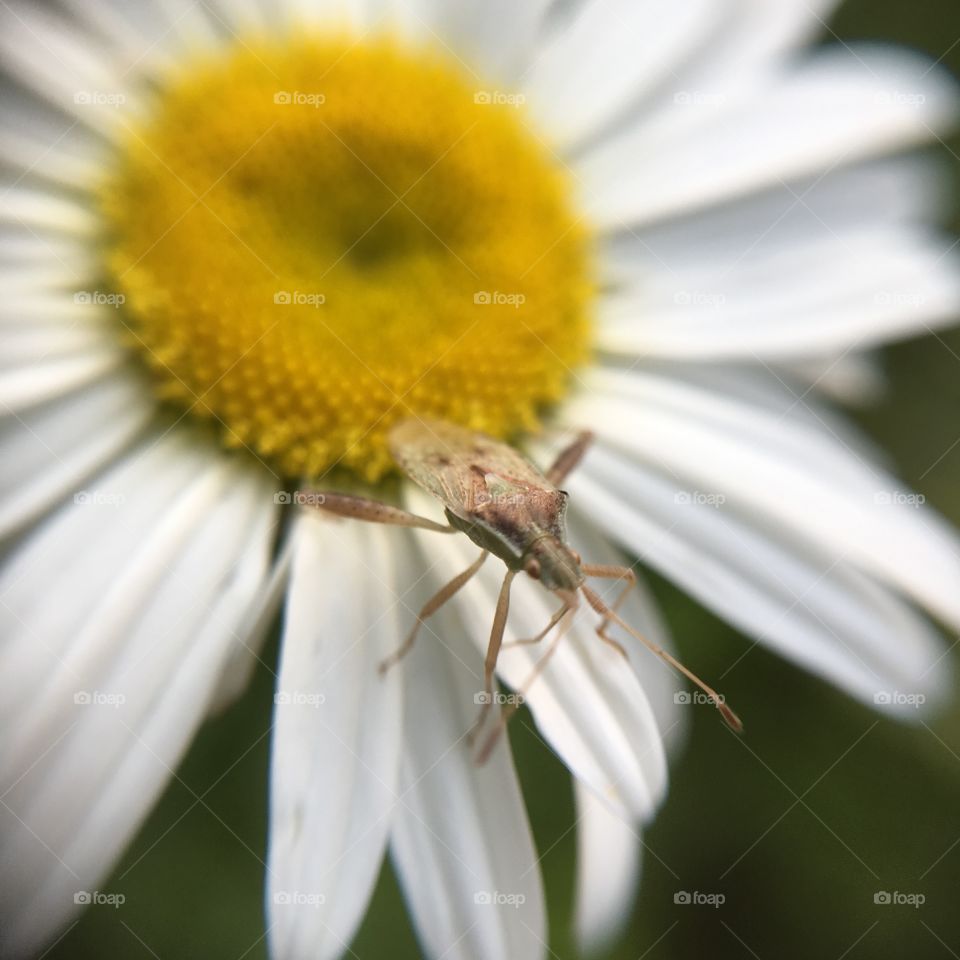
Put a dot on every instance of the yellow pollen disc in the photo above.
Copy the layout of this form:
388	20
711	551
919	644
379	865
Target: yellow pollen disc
319	238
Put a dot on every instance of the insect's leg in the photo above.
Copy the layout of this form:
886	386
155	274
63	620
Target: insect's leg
568	608
733	721
609	572
493	651
430	608
568	458
554	620
372	511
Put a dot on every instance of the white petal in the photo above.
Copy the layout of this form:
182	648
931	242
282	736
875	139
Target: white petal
611	54
774	393
608	872
660	682
872	285
24	387
810	606
855	379
264	608
495	38
139	33
587	704
758	38
357	15
50	451
608	844
461	842
839	107
43	52
882	194
796	479
44	142
337	738
123	656
37	209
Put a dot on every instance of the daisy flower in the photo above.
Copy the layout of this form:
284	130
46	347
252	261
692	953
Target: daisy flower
241	241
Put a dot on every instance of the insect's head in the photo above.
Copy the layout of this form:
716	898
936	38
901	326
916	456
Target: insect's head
554	564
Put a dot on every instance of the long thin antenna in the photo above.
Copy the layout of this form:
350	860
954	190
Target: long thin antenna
732	720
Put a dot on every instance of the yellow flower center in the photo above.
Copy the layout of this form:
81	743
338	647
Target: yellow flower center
320	238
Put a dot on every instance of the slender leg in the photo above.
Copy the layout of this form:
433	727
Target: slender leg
570	609
372	511
733	721
608	572
554	620
568	458
430	608
493	651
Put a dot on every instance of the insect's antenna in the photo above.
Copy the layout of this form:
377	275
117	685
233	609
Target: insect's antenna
732	720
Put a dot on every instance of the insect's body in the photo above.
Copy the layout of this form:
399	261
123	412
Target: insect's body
511	510
494	496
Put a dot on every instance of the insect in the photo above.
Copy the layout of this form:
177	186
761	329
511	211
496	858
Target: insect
508	508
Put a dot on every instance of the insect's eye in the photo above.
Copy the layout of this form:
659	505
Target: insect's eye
532	566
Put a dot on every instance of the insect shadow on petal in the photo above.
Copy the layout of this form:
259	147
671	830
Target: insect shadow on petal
508	508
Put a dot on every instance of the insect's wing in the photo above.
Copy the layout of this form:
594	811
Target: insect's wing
454	463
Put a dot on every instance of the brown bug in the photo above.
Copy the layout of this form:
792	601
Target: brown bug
508	508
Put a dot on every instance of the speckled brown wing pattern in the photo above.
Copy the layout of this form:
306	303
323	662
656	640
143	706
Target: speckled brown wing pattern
450	462
480	480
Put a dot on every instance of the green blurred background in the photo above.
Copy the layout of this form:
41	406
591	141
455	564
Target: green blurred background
798	855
